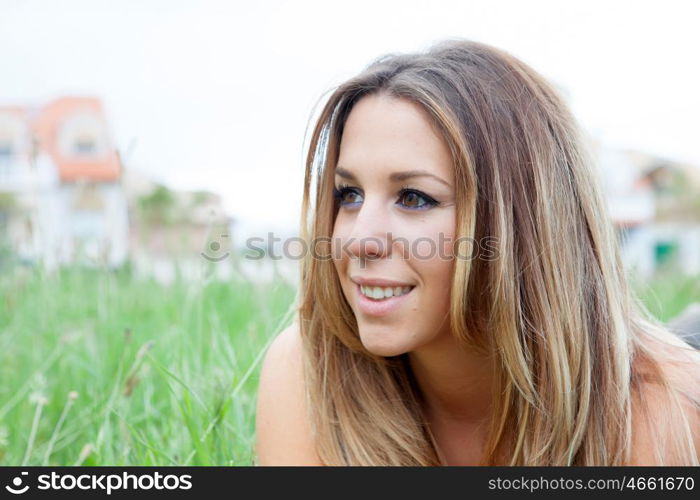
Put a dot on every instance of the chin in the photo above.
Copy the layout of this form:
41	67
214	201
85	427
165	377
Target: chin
379	345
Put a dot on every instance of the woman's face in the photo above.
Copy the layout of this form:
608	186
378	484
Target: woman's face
393	235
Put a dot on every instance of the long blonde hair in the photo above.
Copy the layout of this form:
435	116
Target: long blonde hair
573	343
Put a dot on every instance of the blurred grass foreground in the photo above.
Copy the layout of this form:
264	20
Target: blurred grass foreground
112	368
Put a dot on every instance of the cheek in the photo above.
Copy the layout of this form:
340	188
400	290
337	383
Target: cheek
338	253
434	260
342	255
437	275
341	230
431	241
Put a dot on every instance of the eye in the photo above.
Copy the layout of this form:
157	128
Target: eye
345	195
411	199
415	200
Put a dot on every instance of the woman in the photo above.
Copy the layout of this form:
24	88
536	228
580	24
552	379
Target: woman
463	301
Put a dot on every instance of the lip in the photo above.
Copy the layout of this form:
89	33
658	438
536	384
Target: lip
382	307
380	282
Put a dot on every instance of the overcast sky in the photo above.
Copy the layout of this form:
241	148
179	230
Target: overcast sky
217	95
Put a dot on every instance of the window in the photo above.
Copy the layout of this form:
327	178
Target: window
84	145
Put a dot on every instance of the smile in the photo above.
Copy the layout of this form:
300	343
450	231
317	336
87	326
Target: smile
387	301
381	293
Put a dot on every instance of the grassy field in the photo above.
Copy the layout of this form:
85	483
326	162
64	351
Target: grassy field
668	294
104	368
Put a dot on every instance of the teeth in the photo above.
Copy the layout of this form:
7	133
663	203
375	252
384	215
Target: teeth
383	293
379	293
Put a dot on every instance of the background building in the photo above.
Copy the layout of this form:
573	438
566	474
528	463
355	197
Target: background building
654	204
60	184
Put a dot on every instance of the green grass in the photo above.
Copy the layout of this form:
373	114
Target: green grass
164	375
667	294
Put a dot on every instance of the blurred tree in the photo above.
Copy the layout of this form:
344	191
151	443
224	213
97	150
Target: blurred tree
158	207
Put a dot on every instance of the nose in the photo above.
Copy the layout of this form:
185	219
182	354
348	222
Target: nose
370	237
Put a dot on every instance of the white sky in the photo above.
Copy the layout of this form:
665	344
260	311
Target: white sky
217	95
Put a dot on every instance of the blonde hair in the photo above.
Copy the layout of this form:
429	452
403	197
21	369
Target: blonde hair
574	345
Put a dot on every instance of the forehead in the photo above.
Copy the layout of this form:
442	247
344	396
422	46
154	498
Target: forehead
386	134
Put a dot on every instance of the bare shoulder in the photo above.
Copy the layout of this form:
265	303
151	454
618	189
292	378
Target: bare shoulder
283	431
653	423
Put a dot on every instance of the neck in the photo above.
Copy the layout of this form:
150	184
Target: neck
456	383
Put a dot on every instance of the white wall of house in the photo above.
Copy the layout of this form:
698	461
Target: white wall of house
92	236
639	247
47	226
33	185
627	200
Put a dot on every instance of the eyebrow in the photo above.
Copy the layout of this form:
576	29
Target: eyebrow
394	177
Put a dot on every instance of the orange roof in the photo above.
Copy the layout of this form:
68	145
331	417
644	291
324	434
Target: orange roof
15	110
71	168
